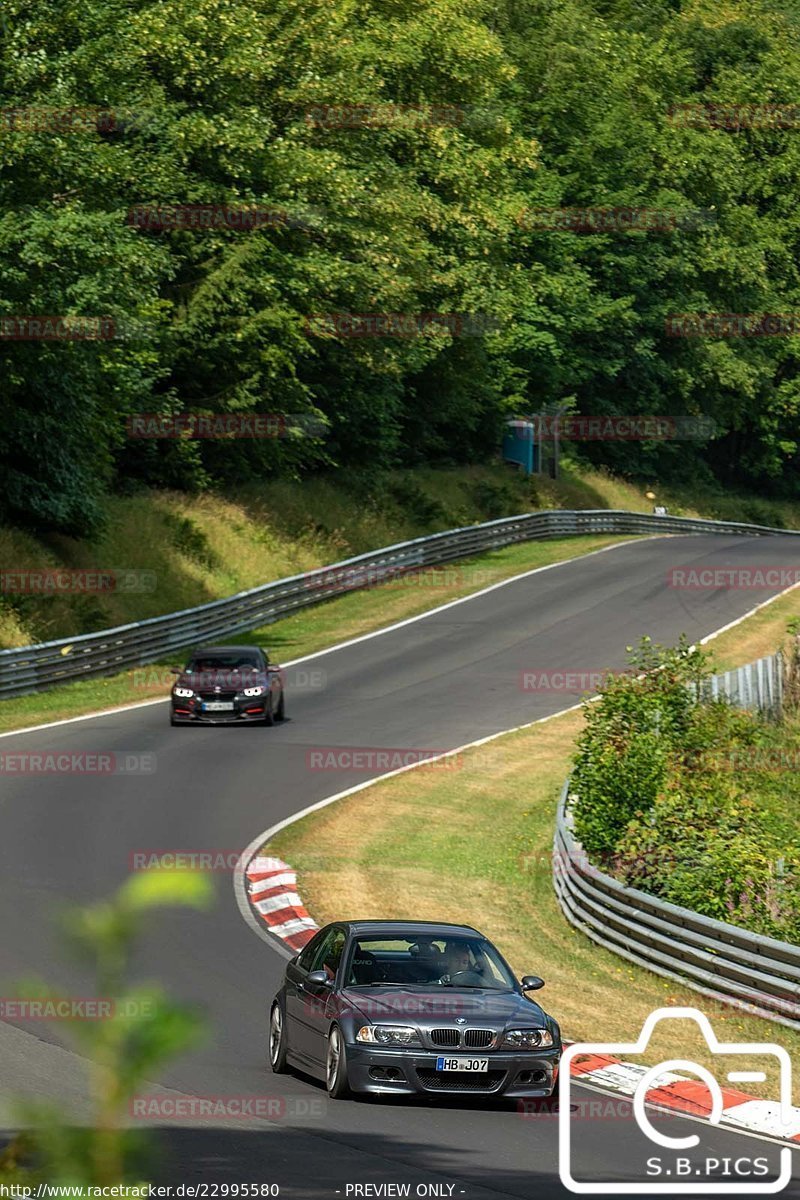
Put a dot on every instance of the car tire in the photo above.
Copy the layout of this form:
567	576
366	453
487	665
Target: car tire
173	722
277	1040
269	716
336	1079
281	710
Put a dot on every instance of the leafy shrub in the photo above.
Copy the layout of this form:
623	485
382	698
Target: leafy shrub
687	799
423	509
494	499
145	1029
641	720
705	847
761	512
190	539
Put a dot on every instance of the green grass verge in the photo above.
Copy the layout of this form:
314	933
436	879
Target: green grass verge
313	629
206	546
474	844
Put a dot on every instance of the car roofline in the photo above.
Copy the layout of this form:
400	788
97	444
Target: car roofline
223	649
379	925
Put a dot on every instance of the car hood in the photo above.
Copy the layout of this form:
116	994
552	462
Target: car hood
443	1006
226	680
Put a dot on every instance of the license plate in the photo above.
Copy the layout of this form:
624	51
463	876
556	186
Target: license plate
218	706
462	1064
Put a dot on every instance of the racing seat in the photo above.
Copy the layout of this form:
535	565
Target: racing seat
427	963
364	968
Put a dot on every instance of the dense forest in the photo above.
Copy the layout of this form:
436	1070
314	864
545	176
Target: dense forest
401	158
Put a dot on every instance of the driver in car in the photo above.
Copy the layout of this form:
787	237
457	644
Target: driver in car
458	969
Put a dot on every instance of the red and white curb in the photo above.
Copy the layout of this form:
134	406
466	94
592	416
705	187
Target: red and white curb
273	896
679	1093
271	889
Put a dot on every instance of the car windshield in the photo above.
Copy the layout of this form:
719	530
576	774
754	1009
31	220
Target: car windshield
235	661
414	961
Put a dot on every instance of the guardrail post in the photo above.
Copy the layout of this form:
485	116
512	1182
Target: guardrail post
32	668
756	974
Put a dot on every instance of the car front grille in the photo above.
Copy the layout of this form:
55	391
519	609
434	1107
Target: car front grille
474	1038
479	1037
446	1037
460	1081
226	696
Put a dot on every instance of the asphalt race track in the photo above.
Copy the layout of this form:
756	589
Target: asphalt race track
436	683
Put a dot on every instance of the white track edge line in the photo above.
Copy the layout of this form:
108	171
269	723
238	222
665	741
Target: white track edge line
364	637
578	1081
250	851
104	712
252	848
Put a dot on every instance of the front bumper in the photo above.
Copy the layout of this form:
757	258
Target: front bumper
238	714
413	1072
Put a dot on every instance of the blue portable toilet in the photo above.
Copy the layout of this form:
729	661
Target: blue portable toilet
519	445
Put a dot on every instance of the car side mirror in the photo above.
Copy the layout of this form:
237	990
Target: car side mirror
176	670
319	979
531	983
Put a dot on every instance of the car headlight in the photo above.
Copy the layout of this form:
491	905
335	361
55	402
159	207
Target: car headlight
184	693
254	691
388	1035
528	1039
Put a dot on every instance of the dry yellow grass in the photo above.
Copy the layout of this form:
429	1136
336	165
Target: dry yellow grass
309	630
759	635
474	845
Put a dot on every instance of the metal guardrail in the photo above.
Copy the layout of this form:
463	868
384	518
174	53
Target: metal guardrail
32	668
756	974
757	685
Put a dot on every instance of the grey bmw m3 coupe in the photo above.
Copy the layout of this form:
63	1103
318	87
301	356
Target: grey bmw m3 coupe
412	1008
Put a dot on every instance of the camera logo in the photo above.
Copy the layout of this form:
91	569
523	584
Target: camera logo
675	1171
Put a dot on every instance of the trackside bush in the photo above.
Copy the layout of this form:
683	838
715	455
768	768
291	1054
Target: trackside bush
641	720
691	800
707	847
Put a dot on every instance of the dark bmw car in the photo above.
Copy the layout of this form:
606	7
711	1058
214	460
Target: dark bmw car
222	685
412	1007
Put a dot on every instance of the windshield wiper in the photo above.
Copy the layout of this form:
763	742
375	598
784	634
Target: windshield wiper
382	983
471	987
